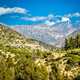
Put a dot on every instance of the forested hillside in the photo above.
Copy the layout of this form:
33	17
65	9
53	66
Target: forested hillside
72	42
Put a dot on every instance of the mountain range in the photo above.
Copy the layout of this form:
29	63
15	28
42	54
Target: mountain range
53	35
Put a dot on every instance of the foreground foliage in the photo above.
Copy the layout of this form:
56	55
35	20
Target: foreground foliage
27	64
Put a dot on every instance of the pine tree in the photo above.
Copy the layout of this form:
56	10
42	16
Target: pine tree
76	41
66	44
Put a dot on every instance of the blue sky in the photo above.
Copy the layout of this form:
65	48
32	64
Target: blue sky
20	12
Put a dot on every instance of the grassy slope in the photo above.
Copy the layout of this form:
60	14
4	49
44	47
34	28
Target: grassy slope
24	63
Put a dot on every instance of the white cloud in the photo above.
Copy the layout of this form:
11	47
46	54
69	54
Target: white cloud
50	23
77	14
4	11
50	16
68	17
50	19
37	18
64	19
45	19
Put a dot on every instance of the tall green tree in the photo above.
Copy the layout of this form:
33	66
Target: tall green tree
66	44
77	40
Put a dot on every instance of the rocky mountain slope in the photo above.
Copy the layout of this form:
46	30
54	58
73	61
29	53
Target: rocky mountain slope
9	37
53	35
73	34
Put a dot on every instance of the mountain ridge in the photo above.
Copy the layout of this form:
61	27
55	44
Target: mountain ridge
12	38
53	35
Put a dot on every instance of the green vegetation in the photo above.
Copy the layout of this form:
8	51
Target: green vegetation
21	61
72	42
